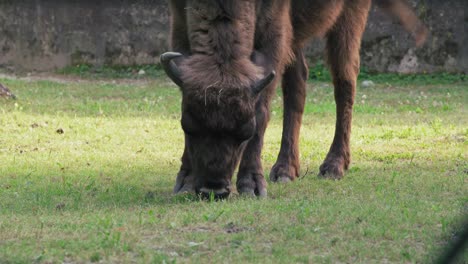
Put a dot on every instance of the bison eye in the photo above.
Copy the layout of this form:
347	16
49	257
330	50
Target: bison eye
247	130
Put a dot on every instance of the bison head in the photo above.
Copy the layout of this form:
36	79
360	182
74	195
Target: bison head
218	113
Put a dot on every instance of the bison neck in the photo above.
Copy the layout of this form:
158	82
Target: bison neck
223	30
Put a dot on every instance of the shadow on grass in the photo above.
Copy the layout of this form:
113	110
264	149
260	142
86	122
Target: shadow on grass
116	185
75	189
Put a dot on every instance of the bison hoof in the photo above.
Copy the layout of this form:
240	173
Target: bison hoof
252	184
250	192
283	174
332	169
184	183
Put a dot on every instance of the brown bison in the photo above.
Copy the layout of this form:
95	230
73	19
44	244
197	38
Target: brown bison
228	56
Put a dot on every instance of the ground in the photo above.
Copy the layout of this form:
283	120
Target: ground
87	169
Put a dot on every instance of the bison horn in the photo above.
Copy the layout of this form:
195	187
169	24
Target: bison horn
170	67
261	84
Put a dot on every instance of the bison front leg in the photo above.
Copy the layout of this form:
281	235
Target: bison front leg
250	179
286	167
179	42
185	179
343	56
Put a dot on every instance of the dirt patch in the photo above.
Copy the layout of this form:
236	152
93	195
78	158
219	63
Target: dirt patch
232	228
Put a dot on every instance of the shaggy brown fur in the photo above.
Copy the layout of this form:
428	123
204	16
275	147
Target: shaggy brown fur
228	47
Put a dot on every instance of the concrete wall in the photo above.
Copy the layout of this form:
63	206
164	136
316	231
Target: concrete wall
45	35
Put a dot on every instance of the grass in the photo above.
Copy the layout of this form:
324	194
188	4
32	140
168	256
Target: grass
118	72
317	72
87	169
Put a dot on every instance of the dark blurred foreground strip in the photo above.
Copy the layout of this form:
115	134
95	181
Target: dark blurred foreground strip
455	249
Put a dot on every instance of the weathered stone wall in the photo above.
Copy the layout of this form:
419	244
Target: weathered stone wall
387	47
49	34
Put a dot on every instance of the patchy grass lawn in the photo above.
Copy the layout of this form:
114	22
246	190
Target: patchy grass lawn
87	169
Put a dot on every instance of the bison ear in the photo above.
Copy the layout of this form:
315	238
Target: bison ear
171	68
261	84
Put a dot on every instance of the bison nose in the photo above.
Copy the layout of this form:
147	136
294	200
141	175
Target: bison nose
217	194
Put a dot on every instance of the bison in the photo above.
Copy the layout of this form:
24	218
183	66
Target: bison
227	58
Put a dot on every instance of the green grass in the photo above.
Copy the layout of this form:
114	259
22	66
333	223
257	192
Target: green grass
317	72
101	190
132	72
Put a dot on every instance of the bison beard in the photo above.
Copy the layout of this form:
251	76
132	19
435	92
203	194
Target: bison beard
228	56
